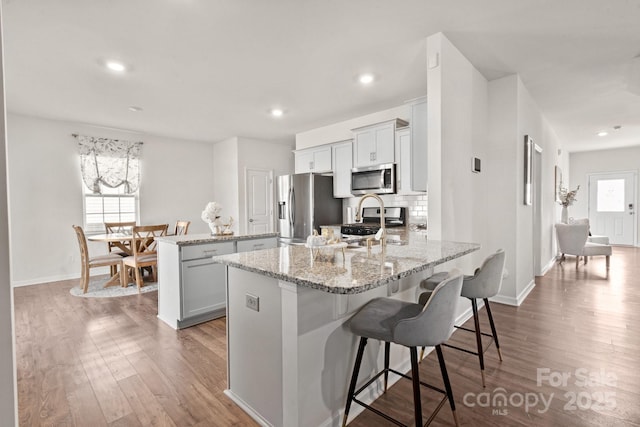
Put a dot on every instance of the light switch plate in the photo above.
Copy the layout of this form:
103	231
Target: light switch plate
252	302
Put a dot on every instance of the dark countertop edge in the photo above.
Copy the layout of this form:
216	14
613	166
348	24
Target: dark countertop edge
340	290
198	239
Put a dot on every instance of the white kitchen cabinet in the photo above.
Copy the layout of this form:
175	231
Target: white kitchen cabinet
375	144
191	287
419	146
342	160
202	281
315	159
257	244
405	172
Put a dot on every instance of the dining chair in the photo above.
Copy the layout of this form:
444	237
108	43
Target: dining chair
118	227
144	253
181	228
87	262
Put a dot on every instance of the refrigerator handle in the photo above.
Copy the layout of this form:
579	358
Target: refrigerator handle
292	202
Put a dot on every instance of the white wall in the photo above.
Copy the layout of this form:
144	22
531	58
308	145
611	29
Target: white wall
45	192
225	188
342	130
458	119
583	163
255	154
8	388
469	116
231	160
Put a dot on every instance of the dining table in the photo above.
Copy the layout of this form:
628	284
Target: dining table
122	241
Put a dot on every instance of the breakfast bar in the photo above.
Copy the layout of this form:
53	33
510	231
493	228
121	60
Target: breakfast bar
290	352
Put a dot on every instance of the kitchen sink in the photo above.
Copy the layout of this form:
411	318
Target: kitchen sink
391	240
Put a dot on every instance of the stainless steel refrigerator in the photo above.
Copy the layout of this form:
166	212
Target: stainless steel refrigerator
305	202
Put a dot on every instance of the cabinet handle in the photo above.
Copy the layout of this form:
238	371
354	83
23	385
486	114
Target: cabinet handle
311	165
210	251
258	245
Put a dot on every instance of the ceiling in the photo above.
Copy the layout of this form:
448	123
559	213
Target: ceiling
212	69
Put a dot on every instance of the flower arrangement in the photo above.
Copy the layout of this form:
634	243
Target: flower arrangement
566	197
211	213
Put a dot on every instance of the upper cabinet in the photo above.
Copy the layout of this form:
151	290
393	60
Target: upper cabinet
314	159
375	144
403	157
342	153
418	156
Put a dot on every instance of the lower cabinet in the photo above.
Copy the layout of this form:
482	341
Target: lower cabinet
203	284
191	287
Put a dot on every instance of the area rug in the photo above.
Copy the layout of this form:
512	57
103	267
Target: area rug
97	290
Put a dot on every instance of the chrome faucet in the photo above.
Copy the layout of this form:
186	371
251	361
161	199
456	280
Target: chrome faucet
383	232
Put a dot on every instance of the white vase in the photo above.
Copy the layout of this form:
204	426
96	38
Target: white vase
215	229
564	218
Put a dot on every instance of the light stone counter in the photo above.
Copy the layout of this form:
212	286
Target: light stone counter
358	270
198	239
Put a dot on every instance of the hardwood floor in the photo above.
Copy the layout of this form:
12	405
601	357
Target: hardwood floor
110	362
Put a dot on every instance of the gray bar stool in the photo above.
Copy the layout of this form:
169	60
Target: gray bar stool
485	283
411	325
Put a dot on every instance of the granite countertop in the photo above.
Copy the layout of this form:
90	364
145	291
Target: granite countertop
197	239
358	271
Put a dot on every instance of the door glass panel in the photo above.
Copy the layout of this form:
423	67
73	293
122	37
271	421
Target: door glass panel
610	196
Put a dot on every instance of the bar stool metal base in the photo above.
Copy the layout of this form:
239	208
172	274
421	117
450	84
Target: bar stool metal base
480	349
415	378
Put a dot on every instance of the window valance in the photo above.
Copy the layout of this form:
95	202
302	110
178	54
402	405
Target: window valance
109	163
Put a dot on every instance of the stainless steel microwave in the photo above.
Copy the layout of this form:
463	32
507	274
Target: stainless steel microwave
378	179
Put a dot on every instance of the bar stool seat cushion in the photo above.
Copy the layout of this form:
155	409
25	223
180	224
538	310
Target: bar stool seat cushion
378	318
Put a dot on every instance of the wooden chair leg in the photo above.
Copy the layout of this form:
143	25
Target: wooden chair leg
84	280
138	279
608	259
124	276
577	261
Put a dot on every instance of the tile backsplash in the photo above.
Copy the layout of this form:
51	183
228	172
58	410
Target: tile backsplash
416	205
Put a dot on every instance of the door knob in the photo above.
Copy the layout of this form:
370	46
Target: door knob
250	219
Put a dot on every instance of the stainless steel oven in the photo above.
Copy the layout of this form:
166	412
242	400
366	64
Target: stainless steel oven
379	179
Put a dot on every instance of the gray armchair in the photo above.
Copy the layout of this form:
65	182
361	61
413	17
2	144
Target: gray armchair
572	240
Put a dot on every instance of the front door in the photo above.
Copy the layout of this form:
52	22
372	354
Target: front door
612	206
259	194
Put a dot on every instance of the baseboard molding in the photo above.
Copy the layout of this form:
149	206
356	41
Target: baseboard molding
41	280
519	299
547	267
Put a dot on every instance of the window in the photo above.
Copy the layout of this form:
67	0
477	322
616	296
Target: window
110	171
113	205
610	195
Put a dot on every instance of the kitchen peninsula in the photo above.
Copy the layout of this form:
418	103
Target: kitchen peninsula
290	352
191	287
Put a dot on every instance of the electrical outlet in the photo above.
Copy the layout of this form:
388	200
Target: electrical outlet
253	302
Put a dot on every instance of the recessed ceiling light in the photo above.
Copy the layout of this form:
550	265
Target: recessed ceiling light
366	78
603	133
116	66
277	112
135	108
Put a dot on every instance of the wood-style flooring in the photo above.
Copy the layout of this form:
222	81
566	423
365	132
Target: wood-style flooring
571	357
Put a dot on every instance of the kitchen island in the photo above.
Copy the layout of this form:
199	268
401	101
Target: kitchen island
191	287
290	351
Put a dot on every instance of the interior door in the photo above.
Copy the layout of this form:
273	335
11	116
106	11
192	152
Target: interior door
612	206
259	195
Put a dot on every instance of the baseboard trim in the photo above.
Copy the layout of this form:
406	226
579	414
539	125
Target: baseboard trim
41	280
547	267
502	299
